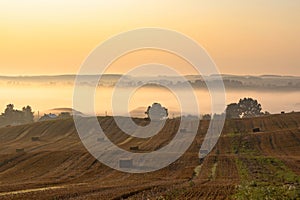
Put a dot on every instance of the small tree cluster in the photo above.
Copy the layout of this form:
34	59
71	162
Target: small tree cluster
245	108
14	116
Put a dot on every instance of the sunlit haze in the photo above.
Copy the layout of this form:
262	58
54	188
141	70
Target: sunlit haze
243	37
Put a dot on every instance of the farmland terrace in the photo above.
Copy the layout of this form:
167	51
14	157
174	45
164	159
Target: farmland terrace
46	160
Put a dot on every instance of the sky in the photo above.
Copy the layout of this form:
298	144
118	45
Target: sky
39	37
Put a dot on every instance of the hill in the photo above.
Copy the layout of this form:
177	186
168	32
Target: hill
243	164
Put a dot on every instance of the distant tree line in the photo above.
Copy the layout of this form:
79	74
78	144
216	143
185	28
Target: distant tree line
13	116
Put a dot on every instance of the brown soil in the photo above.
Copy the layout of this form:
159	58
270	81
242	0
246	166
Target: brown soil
57	166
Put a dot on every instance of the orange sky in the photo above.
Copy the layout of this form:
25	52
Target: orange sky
243	37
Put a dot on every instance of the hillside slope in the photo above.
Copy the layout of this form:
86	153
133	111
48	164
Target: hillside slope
57	166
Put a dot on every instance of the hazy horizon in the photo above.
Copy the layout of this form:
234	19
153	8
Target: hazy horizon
244	39
47	92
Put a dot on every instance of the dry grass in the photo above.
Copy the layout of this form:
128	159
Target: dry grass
57	166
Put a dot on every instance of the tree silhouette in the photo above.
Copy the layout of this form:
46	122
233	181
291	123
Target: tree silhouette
249	107
246	108
206	117
233	111
9	111
10	115
28	114
156	112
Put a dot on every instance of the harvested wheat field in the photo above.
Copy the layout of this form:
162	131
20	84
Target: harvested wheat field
46	160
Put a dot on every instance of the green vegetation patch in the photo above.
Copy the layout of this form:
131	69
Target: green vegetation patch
266	178
249	192
243	171
213	171
197	170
